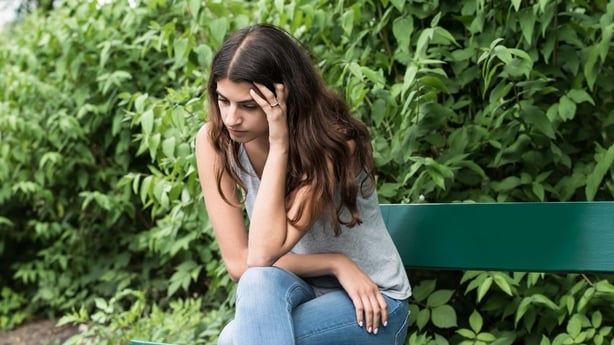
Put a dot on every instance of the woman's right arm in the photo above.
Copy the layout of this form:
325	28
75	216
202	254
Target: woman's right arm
227	221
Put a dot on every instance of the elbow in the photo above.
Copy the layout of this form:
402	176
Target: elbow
234	276
236	271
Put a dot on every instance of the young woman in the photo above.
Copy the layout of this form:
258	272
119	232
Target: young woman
315	264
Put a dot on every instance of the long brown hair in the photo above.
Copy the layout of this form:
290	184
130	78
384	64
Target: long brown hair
319	123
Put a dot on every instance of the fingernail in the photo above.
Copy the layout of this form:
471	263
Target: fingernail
385	323
369	330
375	331
360	323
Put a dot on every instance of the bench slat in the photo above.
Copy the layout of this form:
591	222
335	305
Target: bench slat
538	237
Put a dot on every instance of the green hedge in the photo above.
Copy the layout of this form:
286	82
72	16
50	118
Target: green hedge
472	100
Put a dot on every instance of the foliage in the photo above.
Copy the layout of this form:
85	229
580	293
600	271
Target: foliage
474	100
479	100
84	212
128	316
13	308
502	308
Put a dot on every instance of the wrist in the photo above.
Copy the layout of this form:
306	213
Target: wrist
278	147
338	262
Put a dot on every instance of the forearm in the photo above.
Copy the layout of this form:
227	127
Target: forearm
268	225
312	265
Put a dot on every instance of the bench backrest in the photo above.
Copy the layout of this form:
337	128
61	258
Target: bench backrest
538	237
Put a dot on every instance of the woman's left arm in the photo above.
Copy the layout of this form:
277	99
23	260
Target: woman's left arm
270	234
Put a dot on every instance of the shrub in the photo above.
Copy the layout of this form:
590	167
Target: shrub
466	101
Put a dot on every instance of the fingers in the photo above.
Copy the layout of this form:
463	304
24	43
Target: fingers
266	98
280	91
371	311
383	306
372	314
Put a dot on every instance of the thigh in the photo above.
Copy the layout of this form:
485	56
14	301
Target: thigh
331	319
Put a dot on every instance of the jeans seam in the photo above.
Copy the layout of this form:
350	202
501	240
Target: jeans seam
324	330
402	329
290	292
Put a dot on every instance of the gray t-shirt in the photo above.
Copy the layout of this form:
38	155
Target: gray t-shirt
368	244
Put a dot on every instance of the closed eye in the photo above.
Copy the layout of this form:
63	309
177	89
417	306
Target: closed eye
250	106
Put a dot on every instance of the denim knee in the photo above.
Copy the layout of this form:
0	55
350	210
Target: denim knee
258	278
265	285
225	337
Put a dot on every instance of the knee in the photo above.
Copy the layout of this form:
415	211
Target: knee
260	277
226	335
258	283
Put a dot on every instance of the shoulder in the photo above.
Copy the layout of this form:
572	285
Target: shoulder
203	144
203	133
204	139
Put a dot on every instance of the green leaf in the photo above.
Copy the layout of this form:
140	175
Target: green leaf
579	96
398	4
543	300
475	321
347	21
596	319
168	147
523	307
466	333
527	24
194	6
402	29
484	287
444	316
516	4
574	326
544	340
595	178
487	337
180	48
423	290
538	119
438	298
604	286
502	283
604	45
567	108
424	316
591	70
503	54
218	28
509	183
147	119
539	191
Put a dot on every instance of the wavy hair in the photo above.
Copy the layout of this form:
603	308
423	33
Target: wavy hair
319	123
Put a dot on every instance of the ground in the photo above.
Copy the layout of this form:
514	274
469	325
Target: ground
39	332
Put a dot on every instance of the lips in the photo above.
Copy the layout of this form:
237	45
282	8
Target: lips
235	132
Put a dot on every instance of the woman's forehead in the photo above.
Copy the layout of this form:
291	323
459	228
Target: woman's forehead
234	90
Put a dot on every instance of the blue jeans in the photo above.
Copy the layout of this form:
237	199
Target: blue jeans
276	307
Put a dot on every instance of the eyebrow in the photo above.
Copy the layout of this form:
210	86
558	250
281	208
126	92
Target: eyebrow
251	100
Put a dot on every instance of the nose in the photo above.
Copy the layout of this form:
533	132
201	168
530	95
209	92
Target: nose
233	117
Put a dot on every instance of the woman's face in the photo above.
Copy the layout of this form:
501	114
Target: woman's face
243	118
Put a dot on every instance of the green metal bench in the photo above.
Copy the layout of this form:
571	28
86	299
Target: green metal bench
533	237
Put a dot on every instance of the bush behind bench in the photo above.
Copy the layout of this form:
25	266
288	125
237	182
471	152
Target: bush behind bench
472	100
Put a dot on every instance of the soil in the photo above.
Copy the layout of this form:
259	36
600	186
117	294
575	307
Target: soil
39	332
